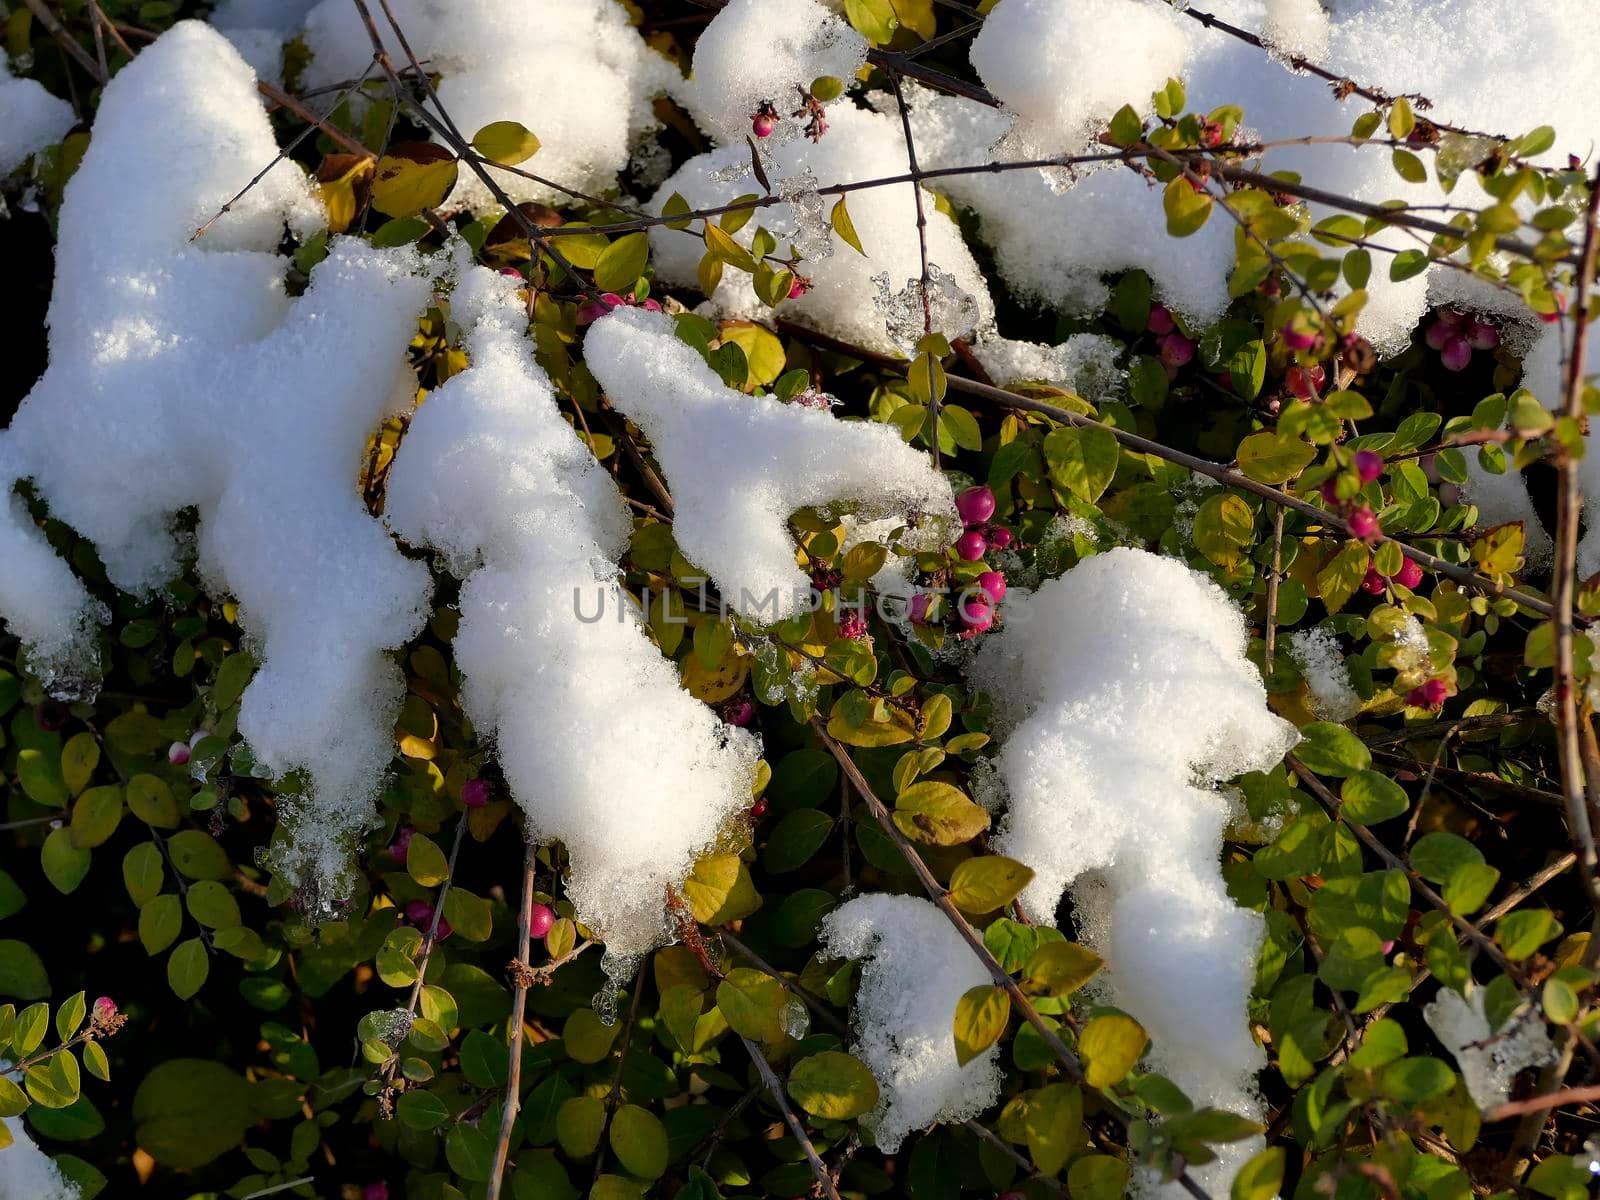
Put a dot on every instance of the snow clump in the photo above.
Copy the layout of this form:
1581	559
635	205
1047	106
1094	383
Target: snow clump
758	52
915	970
1316	652
34	118
574	72
1296	29
1489	1061
739	466
1125	688
27	1172
181	375
554	660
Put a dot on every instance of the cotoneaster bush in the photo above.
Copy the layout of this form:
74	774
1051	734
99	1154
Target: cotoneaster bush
777	598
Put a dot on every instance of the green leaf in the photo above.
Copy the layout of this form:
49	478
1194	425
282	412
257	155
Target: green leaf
505	142
1417	1080
55	1084
622	263
639	1141
845	228
981	1017
1059	969
1469	886
13	1100
64	864
188	967
1261	1177
1330	749
151	800
586	1037
753	1003
1097	1177
79	758
578	1125
1273	457
469	1152
160	921
985	883
40	776
22	974
425	862
1370	797
421	1110
1082	459
69	1016
1383	1042
1052	1122
212	905
12	898
95	816
1110	1045
795	839
1437	856
1223	527
833	1085
938	814
1187	210
1521	933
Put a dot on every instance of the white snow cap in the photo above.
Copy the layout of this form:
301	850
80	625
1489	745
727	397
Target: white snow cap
916	967
182	375
1066	66
30	118
554	661
1489	1061
844	296
739	465
1296	29
27	1172
757	51
1317	653
575	72
1121	682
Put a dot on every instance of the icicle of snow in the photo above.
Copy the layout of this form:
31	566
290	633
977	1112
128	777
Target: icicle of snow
1296	29
1066	66
767	51
739	465
1316	652
842	300
27	1172
576	73
1121	682
1489	1061
555	662
181	375
916	967
33	118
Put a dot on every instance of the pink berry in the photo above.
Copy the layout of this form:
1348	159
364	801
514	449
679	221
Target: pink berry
105	1008
178	753
1305	382
1363	524
1437	334
1409	575
917	610
511	271
853	625
1482	335
1330	489
1430	695
1452	316
970	547
1160	319
1457	353
1387	946
976	505
418	912
758	809
540	918
976	612
1176	350
1373	583
999	537
443	931
401	846
375	1191
993	585
762	125
740	712
1296	340
1369	465
475	793
799	287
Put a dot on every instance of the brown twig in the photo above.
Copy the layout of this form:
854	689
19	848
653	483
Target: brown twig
615	1095
818	1167
519	1007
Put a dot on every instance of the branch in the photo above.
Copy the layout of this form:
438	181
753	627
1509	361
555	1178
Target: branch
519	1006
818	1167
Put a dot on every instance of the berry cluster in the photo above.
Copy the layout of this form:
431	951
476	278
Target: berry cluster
1175	348
1455	336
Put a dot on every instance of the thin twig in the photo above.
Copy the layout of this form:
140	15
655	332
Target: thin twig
818	1167
922	250
519	1007
615	1094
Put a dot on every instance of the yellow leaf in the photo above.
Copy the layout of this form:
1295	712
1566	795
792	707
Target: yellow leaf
981	1016
411	177
845	228
505	142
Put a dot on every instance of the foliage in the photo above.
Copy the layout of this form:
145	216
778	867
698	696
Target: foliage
1397	852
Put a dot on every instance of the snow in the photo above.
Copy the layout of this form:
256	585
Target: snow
576	73
767	51
1296	29
27	1173
1064	67
30	118
738	466
492	477
843	300
915	970
1088	675
1489	1061
259	28
1321	661
181	375
1086	363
